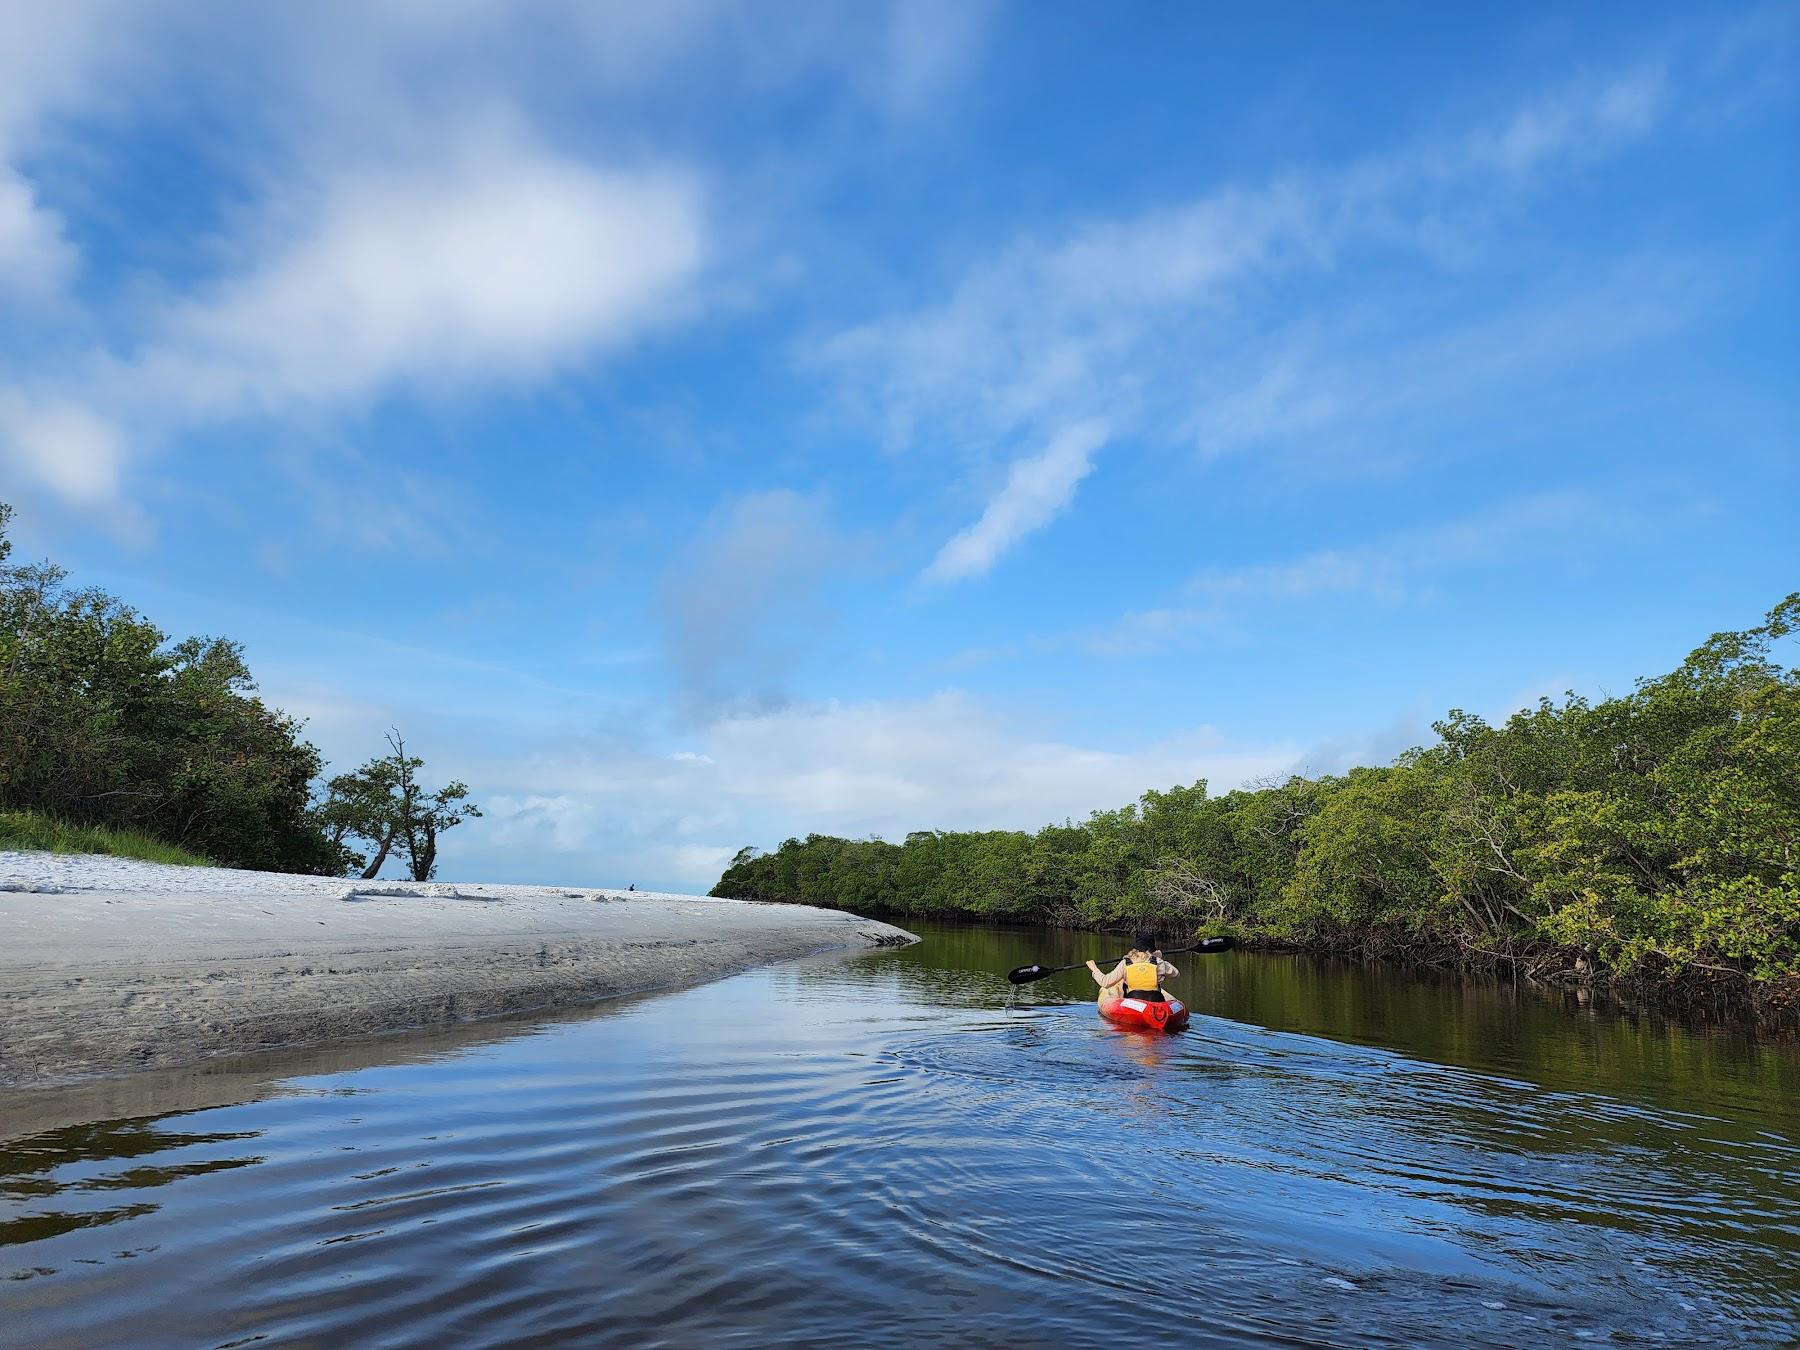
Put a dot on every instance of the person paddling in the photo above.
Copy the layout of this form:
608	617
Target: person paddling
1139	974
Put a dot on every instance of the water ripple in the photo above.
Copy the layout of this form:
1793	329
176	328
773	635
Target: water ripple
881	1150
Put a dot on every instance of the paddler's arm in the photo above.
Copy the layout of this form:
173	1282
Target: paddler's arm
1163	968
1106	981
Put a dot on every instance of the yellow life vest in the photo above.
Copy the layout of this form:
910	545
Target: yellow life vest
1141	978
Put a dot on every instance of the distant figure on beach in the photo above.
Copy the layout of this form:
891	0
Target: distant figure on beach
632	887
1139	974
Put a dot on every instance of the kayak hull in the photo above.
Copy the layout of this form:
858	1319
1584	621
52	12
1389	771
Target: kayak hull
1171	1016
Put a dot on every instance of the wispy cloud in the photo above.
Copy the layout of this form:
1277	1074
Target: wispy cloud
501	264
400	206
1406	564
1403	567
1037	490
1143	631
1378	365
1044	328
1139	320
928	44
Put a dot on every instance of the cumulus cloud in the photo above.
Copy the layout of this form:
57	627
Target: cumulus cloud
1038	489
585	788
883	767
393	197
952	761
503	262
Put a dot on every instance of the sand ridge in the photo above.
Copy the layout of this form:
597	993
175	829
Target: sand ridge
108	965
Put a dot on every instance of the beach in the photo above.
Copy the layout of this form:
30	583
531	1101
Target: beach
110	966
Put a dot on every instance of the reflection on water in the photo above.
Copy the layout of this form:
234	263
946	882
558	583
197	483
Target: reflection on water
900	1148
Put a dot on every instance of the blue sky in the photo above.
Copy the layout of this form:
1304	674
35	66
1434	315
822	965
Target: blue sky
700	423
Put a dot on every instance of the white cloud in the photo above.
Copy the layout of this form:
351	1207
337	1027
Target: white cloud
51	54
370	231
1038	489
1378	365
897	56
1585	119
502	263
1374	570
36	259
499	265
60	445
948	761
1141	318
53	58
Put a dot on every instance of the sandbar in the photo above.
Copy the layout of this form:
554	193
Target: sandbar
111	966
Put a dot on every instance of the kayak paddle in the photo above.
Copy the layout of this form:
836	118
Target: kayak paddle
1026	974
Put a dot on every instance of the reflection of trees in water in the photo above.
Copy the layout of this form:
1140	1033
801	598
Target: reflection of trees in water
1492	1028
1472	1094
1493	1115
965	965
28	1167
1488	1026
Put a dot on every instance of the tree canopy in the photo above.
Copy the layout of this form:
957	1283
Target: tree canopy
107	722
1654	836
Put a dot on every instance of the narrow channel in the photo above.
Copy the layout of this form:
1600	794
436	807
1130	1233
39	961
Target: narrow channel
896	1148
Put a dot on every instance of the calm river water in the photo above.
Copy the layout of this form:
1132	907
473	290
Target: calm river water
881	1150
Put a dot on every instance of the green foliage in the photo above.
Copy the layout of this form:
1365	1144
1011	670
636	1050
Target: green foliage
384	805
364	807
30	830
1654	836
1681	847
108	725
104	722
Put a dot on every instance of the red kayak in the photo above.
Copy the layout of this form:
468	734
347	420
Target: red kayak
1136	1013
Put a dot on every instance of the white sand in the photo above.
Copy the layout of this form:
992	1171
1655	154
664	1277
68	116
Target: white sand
109	966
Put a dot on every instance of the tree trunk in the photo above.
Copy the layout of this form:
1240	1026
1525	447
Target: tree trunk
424	856
381	856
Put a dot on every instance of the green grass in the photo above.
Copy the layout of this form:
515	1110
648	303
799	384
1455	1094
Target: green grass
29	830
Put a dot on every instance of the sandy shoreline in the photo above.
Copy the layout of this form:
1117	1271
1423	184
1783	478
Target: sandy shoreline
109	966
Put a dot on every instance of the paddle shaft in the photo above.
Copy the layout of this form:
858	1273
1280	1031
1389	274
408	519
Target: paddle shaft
1113	961
1040	972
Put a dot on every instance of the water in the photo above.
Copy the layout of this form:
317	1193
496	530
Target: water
881	1151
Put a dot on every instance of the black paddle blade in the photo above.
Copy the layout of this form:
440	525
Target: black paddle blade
1216	944
1026	974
